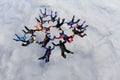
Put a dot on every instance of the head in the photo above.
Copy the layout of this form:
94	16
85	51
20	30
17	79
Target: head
49	47
60	33
60	41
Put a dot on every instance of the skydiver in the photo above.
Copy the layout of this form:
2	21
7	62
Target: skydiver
46	40
58	25
65	37
22	39
63	48
47	53
79	33
29	41
80	27
26	42
53	18
29	31
72	22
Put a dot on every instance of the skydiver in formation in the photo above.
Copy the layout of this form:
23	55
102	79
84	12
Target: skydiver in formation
58	25
47	53
79	33
46	40
65	37
72	22
29	41
22	39
29	31
40	27
53	18
62	48
80	27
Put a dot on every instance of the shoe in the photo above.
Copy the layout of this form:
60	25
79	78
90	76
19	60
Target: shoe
64	56
72	52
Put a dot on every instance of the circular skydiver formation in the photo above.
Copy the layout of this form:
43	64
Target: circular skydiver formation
77	29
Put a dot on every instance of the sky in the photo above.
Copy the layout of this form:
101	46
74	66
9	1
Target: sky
96	56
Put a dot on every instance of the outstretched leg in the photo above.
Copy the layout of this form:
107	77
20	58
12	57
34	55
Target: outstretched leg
24	37
26	28
85	27
73	18
41	18
47	59
63	54
45	11
83	23
24	31
43	57
37	20
69	51
17	36
41	12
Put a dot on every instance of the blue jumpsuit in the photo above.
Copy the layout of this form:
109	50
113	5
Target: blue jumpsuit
47	54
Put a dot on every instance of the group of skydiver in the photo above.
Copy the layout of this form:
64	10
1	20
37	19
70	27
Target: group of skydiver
76	29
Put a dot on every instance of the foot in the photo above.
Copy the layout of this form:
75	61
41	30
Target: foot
40	58
64	56
72	52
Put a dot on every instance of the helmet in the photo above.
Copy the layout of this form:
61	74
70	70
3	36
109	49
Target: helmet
49	47
60	41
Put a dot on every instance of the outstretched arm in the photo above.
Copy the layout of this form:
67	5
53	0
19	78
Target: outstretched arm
76	21
45	48
59	37
26	28
55	44
53	48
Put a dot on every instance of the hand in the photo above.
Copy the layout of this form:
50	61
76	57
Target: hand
52	42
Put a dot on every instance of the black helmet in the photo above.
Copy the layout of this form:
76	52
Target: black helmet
60	41
49	47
